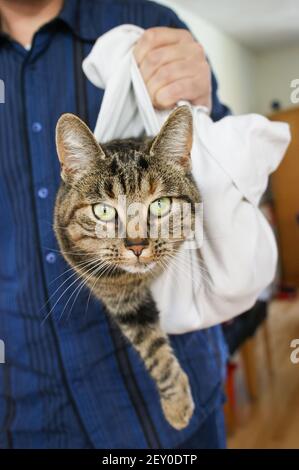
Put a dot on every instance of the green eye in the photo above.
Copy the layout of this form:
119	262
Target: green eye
104	212
160	207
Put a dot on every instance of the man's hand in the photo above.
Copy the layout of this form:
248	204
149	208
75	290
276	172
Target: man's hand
174	67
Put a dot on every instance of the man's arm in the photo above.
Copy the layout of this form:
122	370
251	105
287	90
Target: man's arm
174	66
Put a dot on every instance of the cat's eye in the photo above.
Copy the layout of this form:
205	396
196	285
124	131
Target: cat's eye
104	212
160	207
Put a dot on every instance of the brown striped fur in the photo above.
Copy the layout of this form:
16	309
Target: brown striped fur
143	170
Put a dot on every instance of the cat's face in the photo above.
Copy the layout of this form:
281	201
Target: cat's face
127	204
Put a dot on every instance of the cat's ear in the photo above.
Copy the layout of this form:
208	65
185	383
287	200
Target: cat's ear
175	138
77	148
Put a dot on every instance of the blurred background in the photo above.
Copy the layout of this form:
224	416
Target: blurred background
253	47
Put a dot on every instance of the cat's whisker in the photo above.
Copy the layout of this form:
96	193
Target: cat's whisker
93	286
74	273
182	262
64	292
79	289
75	252
203	271
87	263
198	261
173	272
204	277
165	266
184	268
81	264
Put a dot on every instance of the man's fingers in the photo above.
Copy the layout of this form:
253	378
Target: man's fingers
157	37
156	58
170	73
184	89
174	67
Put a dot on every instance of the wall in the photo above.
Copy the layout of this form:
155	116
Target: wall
275	71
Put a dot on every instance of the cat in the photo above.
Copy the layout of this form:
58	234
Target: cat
155	172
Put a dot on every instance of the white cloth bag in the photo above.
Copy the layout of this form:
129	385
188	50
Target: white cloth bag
231	161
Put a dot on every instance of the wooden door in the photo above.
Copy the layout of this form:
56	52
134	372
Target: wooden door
285	188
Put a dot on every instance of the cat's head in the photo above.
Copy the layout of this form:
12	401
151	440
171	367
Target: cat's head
124	205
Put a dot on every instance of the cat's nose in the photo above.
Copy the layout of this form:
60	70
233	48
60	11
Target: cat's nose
137	249
136	245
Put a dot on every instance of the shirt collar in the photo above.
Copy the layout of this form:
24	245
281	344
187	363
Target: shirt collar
78	15
79	18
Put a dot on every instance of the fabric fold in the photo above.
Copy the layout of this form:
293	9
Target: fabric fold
235	253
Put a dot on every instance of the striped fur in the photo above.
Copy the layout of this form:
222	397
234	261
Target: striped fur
143	170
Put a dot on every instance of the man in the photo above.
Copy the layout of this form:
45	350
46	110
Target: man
70	381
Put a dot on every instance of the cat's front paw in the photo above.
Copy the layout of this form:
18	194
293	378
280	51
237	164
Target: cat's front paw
177	403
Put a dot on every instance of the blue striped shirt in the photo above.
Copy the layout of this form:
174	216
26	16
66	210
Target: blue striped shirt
69	380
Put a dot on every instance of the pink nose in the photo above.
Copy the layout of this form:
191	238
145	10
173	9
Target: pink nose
137	249
136	245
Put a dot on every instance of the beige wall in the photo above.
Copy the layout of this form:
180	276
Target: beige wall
275	71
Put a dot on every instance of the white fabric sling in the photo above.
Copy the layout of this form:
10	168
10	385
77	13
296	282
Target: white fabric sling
231	162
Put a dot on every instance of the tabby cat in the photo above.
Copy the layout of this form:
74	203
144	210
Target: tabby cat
155	172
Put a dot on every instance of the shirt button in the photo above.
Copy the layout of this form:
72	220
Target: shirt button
37	127
43	193
51	258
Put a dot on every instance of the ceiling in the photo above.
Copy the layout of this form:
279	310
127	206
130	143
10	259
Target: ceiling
258	24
